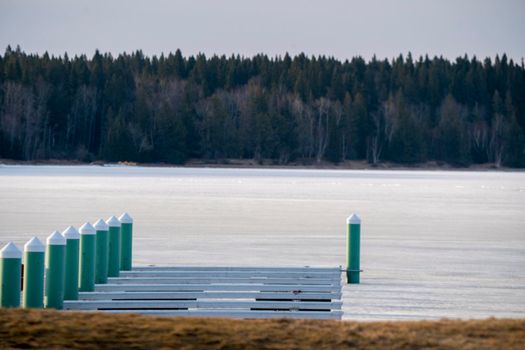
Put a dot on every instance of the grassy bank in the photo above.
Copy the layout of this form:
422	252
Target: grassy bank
51	329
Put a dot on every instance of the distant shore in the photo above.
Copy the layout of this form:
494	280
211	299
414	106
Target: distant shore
268	164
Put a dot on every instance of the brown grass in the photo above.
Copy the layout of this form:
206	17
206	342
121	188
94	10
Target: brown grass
52	329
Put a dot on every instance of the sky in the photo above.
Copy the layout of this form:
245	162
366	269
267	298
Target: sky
339	28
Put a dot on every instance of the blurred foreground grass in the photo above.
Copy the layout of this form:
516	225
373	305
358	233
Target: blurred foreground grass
48	329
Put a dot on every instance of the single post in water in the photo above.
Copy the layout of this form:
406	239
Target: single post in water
126	241
72	260
353	249
86	276
34	267
55	271
114	247
102	247
10	270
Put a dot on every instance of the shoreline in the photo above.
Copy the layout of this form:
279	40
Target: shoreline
252	164
23	328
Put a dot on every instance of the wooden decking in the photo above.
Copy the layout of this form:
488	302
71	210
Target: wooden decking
237	292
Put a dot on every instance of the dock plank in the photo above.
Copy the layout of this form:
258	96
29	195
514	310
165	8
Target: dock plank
234	274
223	280
215	287
199	304
234	268
209	295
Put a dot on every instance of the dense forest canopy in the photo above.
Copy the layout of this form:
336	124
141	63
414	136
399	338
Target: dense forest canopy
282	109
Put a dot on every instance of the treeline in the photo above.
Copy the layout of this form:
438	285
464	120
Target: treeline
282	109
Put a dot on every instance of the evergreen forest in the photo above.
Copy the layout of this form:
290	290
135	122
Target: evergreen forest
282	110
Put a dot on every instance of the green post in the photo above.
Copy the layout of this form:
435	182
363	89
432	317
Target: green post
72	257
114	247
87	258
102	247
126	241
55	271
353	249
34	262
10	270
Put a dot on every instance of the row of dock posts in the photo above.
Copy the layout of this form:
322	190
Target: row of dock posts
69	262
77	260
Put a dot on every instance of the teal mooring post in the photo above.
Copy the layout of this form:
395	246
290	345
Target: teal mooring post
10	270
34	262
126	241
101	256
86	276
353	249
55	271
114	247
72	260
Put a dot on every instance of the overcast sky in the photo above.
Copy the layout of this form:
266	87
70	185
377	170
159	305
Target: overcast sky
340	28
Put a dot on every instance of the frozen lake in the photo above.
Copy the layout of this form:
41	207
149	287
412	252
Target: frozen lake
434	244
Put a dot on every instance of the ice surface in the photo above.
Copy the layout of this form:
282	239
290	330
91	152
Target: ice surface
434	244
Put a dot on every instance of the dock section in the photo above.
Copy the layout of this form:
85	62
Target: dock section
236	292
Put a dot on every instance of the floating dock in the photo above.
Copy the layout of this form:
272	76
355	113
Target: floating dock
91	269
237	292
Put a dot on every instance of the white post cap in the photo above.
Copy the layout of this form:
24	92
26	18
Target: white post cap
113	222
56	238
101	225
71	233
87	229
11	251
125	219
34	245
353	219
